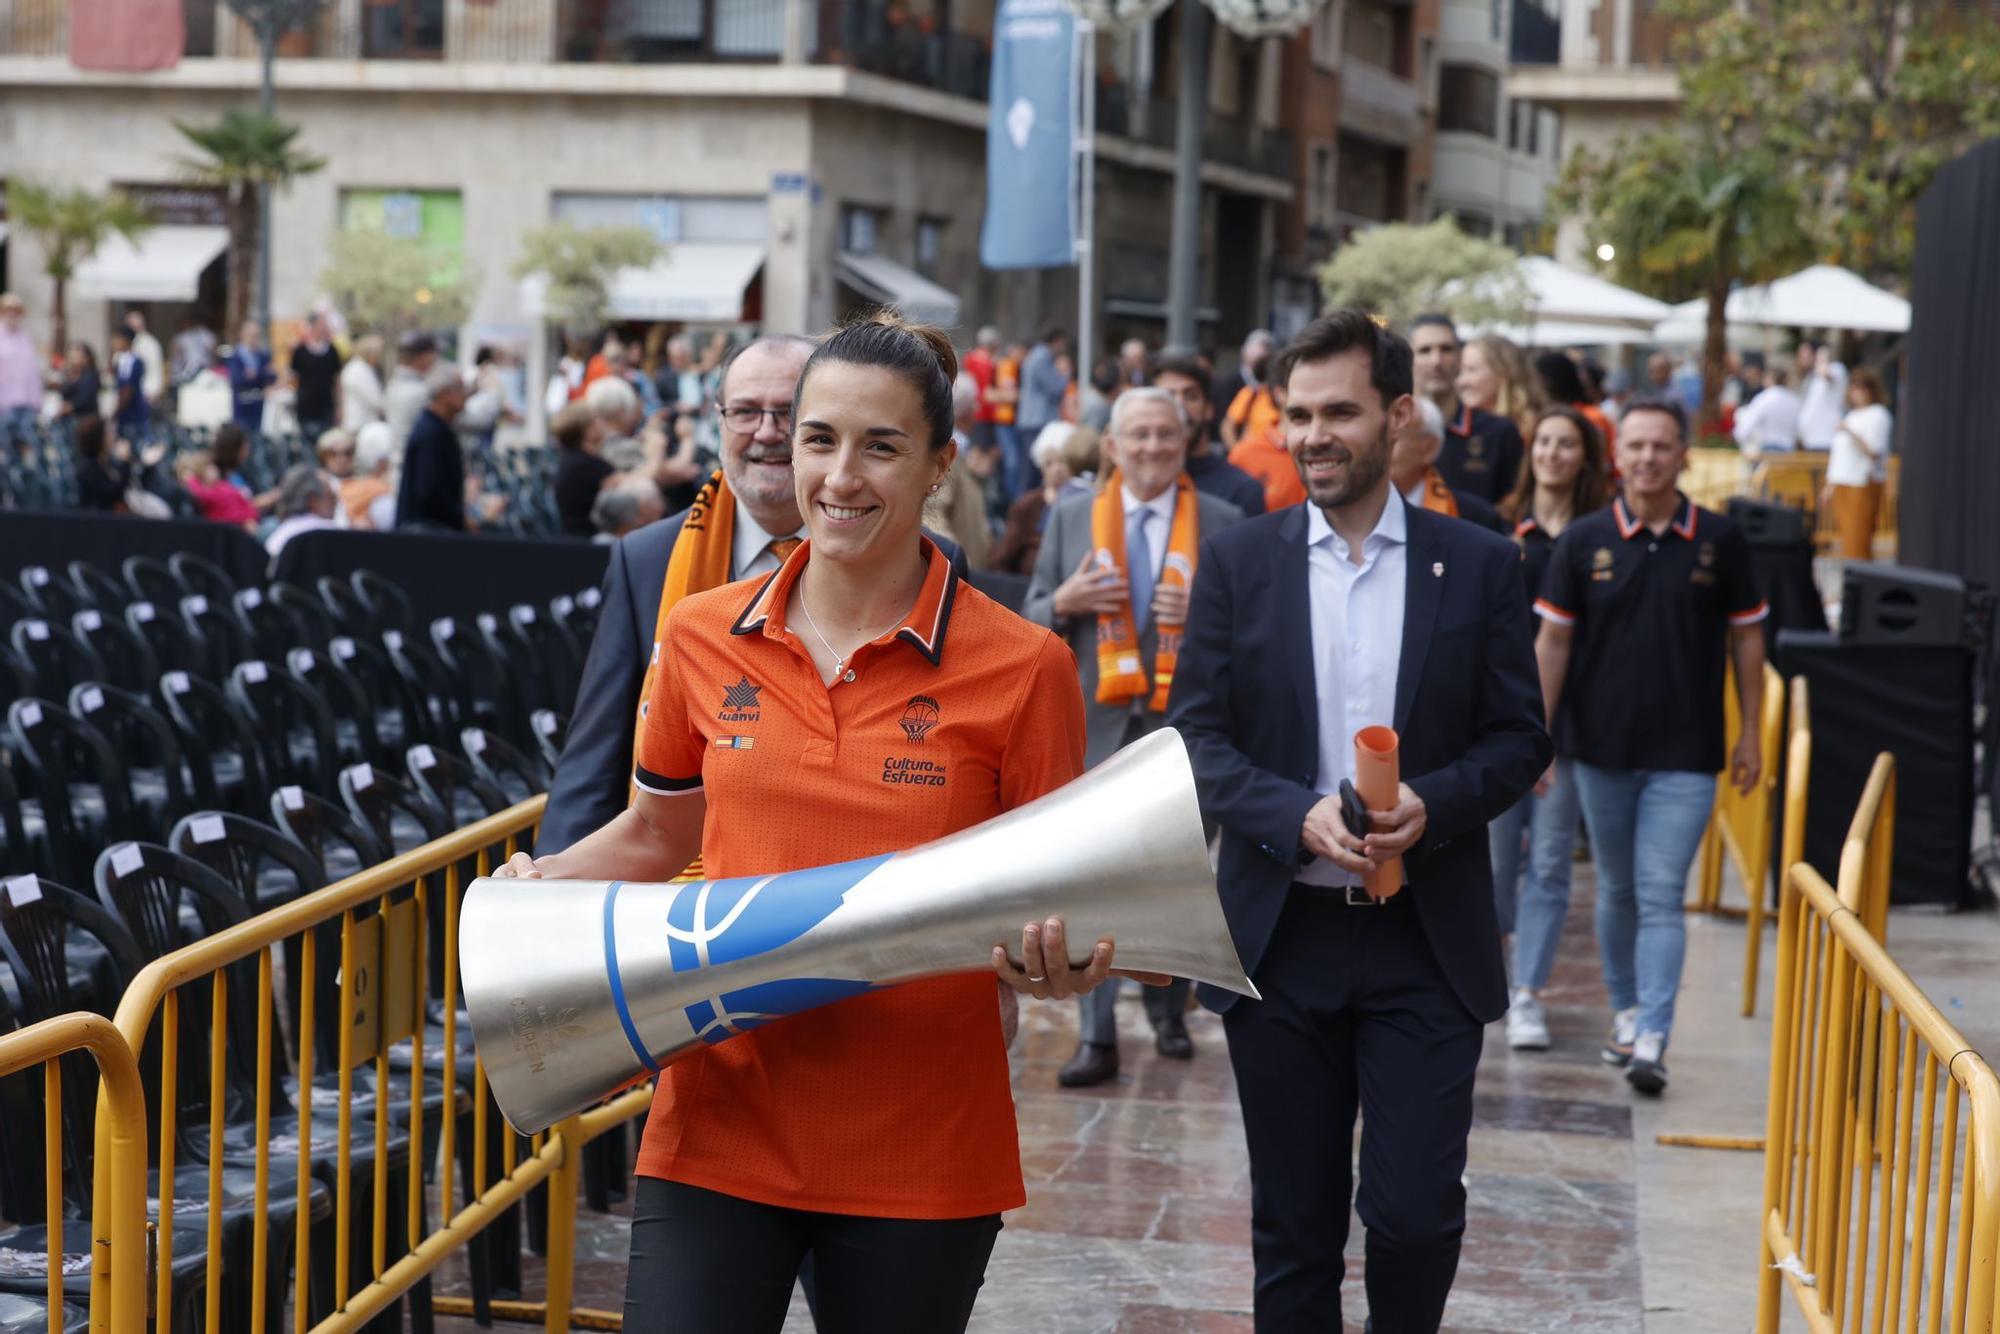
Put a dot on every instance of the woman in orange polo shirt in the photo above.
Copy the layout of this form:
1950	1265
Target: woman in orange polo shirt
858	701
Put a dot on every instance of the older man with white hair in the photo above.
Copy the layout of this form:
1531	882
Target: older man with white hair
1112	578
1414	473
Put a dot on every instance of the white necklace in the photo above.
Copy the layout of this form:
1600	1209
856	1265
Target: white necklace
839	662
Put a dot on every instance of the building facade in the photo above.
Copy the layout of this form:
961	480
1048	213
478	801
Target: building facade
1497	153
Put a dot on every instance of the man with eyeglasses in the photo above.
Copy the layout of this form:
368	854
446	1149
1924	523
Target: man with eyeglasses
742	524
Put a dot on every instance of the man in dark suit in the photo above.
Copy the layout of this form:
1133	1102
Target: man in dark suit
1357	609
1073	592
593	779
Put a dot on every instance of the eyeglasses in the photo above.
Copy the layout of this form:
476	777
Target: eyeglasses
747	417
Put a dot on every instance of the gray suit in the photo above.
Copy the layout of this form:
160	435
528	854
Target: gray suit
1107	726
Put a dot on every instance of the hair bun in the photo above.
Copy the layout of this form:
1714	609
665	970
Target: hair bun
932	337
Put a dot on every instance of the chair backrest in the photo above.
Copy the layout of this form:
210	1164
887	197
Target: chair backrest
452	785
166	635
18	677
151	581
426	681
141	736
216	632
196	574
350	614
58	751
14	606
375	798
388	604
306	611
145	886
270	629
321	827
16	857
487	688
98	588
550	729
495	759
283	709
211	724
554	651
55	652
52	595
241	850
129	660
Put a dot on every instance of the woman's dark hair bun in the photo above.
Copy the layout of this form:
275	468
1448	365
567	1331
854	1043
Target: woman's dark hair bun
921	354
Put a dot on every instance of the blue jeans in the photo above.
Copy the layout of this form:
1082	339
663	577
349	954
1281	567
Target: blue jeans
1535	918
1645	827
17	426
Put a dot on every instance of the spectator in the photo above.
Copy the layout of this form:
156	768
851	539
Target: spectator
433	490
361	397
103	475
315	378
1769	421
20	373
1258	427
1413	470
566	384
1186	378
1660	375
1094	399
81	389
218	500
1253	362
1021	540
957	509
581	471
1135	365
1083	455
1005	396
250	374
616	417
1824	387
1481	453
1044	382
128	378
230	447
1859	465
1495	375
408	390
194	350
1562	386
368	497
335	451
306	501
632	502
981	363
1435	351
490	404
153	383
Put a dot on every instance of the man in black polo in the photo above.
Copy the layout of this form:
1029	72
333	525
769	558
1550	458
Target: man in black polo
1482	450
1643	603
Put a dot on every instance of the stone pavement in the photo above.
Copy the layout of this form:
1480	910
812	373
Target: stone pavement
1138	1218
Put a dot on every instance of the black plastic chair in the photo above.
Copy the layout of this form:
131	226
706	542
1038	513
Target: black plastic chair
129	660
151	581
160	787
453	786
198	575
495	759
388	606
97	588
270	629
79	784
18	677
396	707
401	817
426	681
307	612
55	652
550	729
217	634
285	713
14	606
341	844
167	637
224	753
554	651
17	855
267	866
52	595
488	690
350	614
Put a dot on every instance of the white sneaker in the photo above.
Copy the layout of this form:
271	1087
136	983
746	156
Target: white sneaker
1624	1032
1648	1073
1527	1023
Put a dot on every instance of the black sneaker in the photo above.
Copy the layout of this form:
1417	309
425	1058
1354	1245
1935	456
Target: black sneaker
1648	1073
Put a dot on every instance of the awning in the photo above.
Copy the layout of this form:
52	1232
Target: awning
164	264
1567	333
1820	297
890	283
1558	293
693	282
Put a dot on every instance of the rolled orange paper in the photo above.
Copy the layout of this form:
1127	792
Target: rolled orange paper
1377	776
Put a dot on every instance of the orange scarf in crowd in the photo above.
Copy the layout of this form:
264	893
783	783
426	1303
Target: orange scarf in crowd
1438	498
1120	675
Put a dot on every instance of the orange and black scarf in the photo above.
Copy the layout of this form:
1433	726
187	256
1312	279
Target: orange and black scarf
1120	675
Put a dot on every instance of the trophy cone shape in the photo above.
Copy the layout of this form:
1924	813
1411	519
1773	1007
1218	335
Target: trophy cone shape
576	988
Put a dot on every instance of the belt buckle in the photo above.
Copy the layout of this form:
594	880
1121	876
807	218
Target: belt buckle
1359	897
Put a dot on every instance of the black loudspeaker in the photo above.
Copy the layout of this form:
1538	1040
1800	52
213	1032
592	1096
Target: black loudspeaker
1766	524
1902	606
1915	703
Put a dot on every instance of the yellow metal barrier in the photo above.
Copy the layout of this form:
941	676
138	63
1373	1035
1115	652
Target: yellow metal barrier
377	920
1869	849
118	1227
1797	479
1743	824
1881	1204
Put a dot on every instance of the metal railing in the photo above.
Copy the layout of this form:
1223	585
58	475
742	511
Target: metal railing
118	1230
1881	1203
1743	824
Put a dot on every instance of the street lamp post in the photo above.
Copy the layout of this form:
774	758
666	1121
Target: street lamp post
270	20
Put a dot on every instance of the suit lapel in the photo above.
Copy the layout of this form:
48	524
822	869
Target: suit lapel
1295	595
1423	590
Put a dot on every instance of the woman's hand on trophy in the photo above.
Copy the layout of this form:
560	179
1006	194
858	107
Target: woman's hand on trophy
520	866
1046	972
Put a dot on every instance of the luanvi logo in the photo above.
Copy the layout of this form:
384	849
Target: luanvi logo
740	703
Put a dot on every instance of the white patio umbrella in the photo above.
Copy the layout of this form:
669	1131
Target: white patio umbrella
1821	297
1567	333
1558	294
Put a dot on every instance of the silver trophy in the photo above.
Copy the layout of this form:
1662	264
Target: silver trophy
578	987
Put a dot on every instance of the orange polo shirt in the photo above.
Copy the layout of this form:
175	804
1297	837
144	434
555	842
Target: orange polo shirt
1266	458
894	1103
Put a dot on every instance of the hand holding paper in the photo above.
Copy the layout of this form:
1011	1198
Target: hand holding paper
1377	776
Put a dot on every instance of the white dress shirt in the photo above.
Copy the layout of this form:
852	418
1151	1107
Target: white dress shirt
1769	421
1357	644
750	549
1825	403
1159	524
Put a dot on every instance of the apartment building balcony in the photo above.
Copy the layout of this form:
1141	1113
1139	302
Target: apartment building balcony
1379	104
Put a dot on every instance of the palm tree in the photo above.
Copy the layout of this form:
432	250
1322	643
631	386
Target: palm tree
69	226
246	153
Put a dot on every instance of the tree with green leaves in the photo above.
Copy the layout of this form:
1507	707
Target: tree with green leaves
579	264
1400	270
1860	102
395	284
1688	216
69	226
246	153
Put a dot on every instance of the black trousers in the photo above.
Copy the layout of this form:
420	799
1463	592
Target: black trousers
1356	1014
708	1262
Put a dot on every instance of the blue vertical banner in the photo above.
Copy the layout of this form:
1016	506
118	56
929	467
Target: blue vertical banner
1030	139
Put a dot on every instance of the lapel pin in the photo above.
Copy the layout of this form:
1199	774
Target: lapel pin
1438	570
